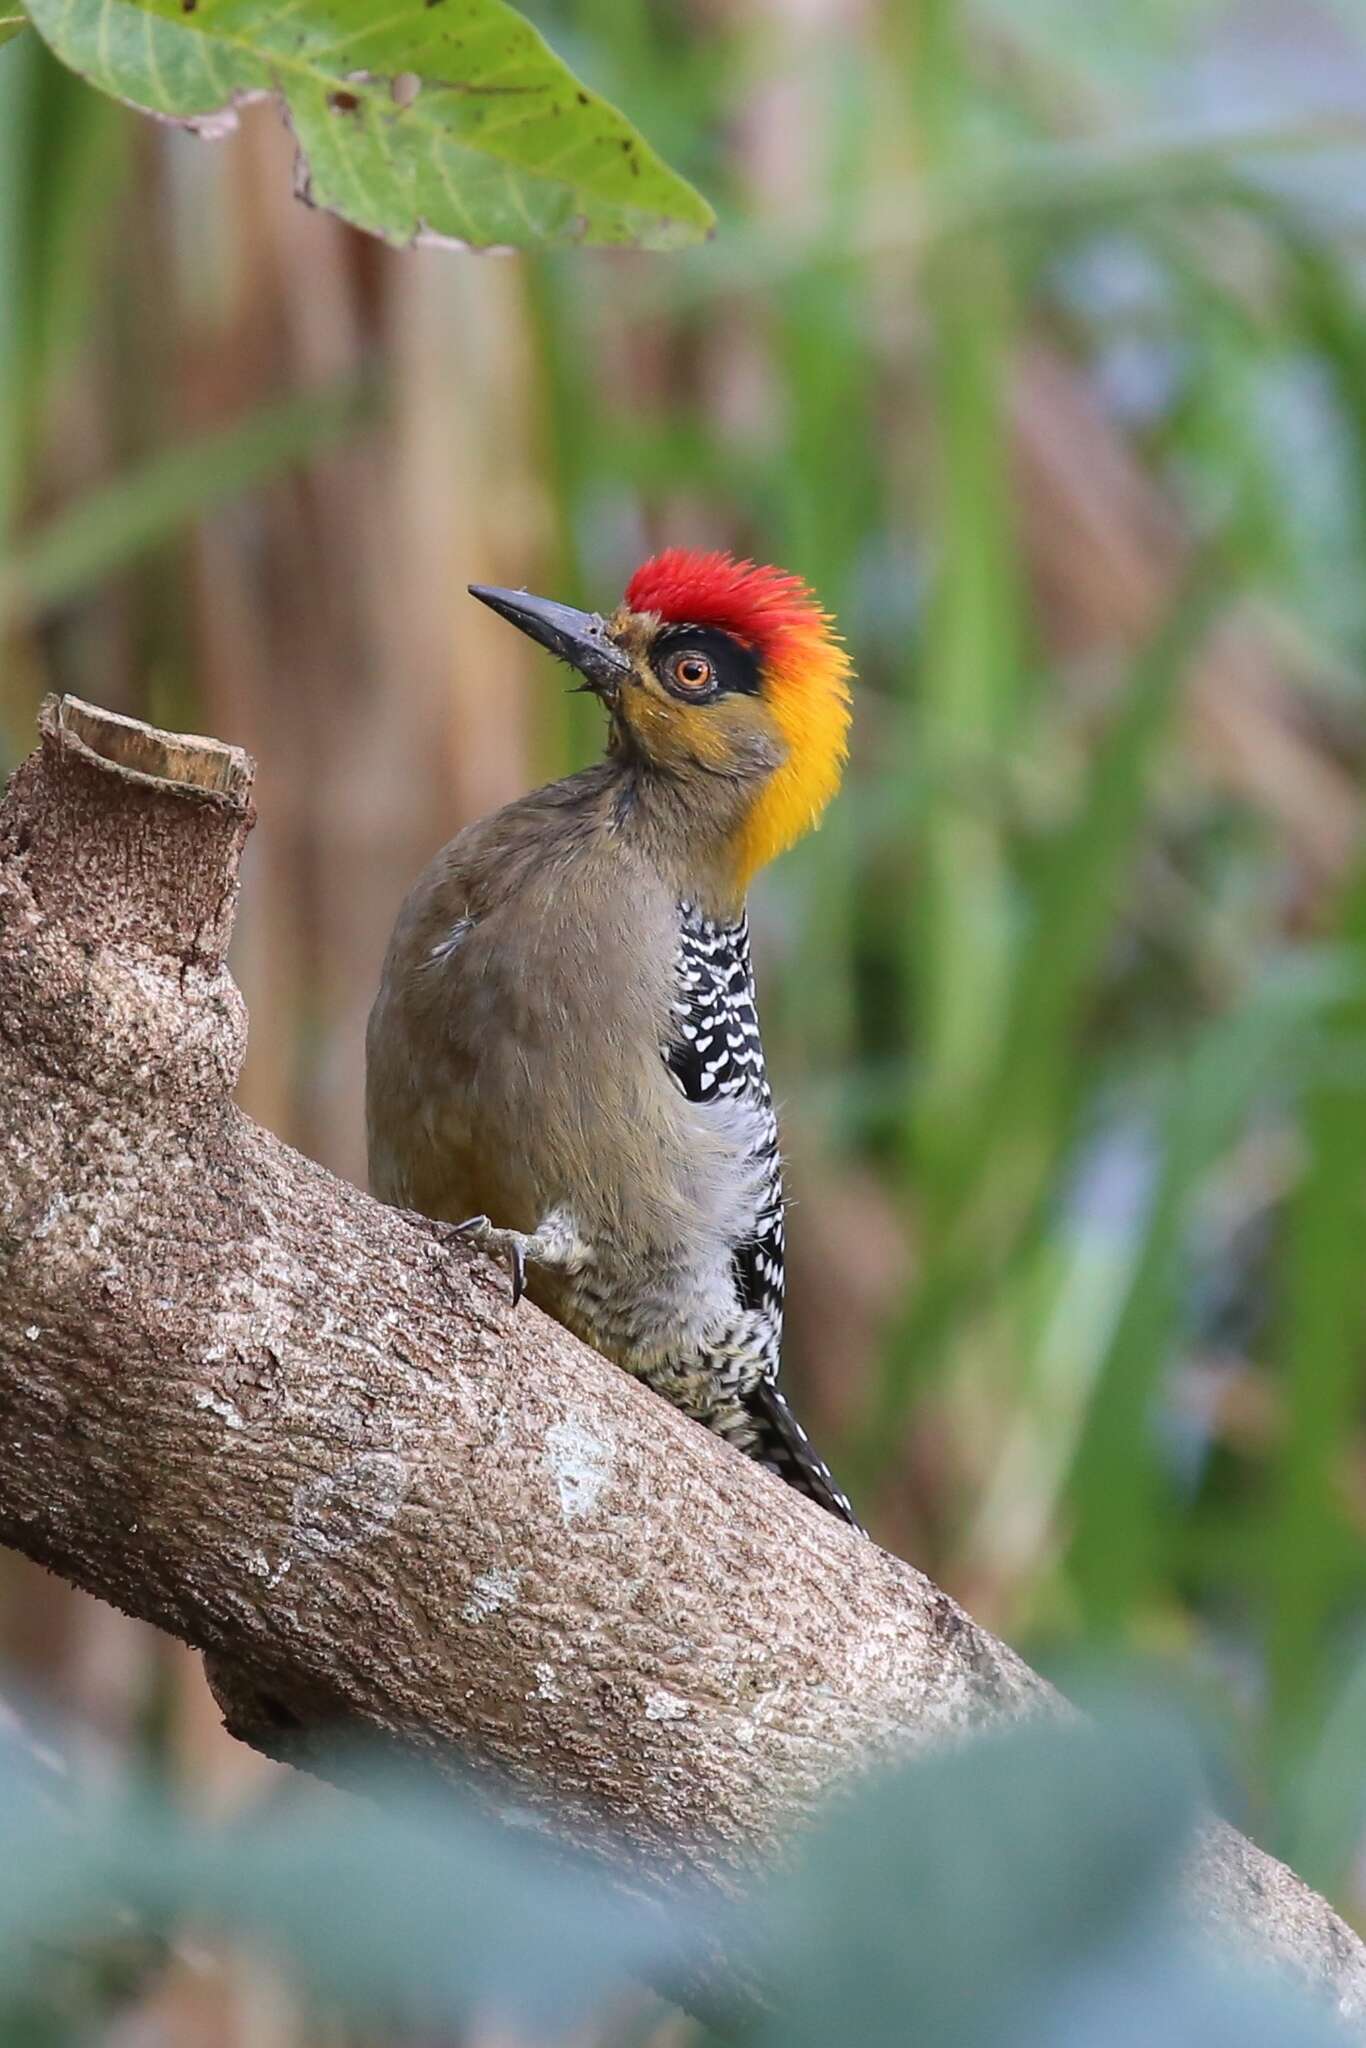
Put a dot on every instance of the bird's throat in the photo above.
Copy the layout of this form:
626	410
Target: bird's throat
692	829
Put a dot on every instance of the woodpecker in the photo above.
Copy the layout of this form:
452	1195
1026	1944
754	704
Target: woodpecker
564	1055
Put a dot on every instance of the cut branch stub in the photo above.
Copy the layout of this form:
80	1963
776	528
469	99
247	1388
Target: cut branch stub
185	759
158	874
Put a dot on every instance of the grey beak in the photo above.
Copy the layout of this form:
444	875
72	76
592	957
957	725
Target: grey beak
580	638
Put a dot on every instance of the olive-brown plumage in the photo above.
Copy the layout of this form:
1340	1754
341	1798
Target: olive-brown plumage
564	1051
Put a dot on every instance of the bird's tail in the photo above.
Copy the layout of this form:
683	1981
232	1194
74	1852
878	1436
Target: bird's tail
784	1447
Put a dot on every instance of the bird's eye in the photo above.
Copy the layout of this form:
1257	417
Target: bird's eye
692	671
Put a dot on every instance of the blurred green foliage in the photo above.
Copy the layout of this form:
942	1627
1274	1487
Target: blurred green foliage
1025	1889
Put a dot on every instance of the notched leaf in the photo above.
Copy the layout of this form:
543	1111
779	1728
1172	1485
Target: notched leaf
214	126
428	238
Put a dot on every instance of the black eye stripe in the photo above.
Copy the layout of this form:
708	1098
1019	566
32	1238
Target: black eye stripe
735	668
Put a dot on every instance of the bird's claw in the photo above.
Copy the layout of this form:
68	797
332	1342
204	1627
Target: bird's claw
509	1243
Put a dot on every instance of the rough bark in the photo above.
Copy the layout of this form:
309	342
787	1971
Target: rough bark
308	1434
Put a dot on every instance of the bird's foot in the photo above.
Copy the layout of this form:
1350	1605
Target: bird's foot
512	1245
555	1246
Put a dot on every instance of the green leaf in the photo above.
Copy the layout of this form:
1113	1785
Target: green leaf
433	120
10	25
950	1894
415	1904
1020	1891
405	1902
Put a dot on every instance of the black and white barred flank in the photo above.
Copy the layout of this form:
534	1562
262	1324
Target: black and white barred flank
717	1054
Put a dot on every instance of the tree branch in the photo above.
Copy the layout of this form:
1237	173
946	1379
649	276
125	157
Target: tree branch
308	1435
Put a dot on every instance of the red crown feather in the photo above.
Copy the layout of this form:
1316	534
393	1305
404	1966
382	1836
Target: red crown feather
762	607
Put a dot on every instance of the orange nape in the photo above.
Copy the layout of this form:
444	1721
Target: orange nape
805	673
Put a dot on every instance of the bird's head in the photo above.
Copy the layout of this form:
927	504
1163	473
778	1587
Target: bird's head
714	668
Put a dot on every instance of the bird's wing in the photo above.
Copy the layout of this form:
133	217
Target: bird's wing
715	1056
